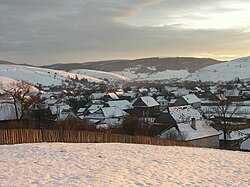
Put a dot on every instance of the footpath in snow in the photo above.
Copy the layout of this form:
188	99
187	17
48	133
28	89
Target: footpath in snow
60	164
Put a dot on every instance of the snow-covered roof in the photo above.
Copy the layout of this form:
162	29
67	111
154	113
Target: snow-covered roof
202	131
184	113
231	93
153	89
245	131
130	94
233	110
119	92
191	98
149	101
58	108
234	135
170	88
143	90
181	92
113	96
172	101
97	95
80	110
199	89
112	112
7	111
122	104
94	108
161	98
50	101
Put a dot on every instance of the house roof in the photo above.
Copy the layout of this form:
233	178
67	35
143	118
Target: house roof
122	104
202	131
110	112
143	90
94	108
50	101
191	98
130	94
58	108
172	101
147	101
181	92
7	111
161	98
81	110
165	118
184	113
232	93
113	96
234	135
97	95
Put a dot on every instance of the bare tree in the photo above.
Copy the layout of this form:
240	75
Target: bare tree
224	110
175	135
131	124
18	91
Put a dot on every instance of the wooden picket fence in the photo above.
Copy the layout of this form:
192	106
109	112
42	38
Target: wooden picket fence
18	136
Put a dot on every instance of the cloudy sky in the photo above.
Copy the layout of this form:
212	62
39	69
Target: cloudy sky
52	31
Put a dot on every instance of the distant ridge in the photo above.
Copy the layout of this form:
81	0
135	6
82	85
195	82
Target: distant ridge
160	64
6	62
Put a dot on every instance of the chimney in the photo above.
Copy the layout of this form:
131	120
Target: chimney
193	124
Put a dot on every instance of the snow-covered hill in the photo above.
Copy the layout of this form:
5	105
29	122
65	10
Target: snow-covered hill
7	83
101	75
152	73
60	164
238	68
42	76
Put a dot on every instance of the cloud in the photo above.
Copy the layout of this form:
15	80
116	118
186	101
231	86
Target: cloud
43	32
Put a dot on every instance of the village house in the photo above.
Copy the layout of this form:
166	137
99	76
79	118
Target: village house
233	140
233	94
58	112
8	112
97	96
181	92
122	104
196	133
162	101
112	116
146	107
130	96
190	99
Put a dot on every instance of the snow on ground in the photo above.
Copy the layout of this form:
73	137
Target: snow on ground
7	83
101	74
154	75
60	164
238	68
37	76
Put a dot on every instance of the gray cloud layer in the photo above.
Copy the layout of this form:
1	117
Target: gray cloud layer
51	31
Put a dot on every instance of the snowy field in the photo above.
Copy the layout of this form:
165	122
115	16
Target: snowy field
59	164
238	68
101	74
42	76
154	75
